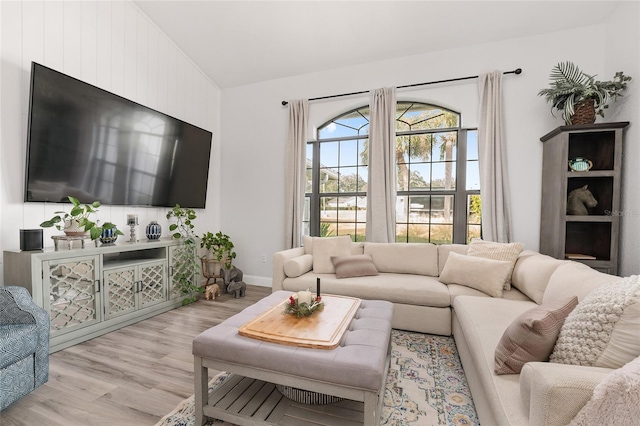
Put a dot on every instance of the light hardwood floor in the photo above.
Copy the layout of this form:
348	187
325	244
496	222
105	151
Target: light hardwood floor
133	376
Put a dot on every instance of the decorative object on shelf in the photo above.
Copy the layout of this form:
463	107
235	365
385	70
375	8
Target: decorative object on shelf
303	305
307	397
579	200
132	221
580	96
580	164
70	239
237	288
187	266
154	230
109	235
211	291
77	223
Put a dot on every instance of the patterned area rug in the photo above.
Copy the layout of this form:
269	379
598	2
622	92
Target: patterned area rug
426	386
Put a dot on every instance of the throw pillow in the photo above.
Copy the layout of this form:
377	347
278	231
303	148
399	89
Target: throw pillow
496	251
324	248
298	265
531	336
482	274
615	401
602	331
359	265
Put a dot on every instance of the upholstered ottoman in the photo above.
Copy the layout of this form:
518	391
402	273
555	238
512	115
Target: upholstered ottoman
355	370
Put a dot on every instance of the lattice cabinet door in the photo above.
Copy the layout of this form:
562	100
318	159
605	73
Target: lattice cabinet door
152	284
72	293
178	264
120	288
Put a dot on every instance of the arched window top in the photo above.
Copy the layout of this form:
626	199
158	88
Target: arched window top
409	116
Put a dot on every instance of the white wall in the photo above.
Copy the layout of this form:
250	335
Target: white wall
114	46
622	39
254	125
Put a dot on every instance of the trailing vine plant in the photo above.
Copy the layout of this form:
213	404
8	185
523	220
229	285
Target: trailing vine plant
186	266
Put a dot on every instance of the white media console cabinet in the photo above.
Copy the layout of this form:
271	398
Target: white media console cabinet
94	290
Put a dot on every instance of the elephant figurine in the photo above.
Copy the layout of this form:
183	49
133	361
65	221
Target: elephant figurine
229	275
238	288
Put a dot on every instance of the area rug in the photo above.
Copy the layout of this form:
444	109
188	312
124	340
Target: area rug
426	386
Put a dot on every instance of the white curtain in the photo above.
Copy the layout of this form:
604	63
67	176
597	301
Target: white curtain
494	182
381	187
295	169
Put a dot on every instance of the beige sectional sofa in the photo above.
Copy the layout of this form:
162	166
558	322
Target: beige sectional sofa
542	394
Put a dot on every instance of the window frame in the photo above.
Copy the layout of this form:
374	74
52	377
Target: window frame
460	193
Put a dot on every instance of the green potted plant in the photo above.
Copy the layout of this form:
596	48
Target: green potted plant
580	96
77	222
220	246
185	266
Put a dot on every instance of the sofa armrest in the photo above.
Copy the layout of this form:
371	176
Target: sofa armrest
554	393
279	258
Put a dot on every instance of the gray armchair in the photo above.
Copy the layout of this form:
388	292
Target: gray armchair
24	345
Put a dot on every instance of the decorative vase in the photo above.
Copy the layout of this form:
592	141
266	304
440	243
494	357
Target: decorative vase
154	230
108	236
73	229
584	113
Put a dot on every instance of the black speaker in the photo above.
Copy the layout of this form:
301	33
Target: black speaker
30	239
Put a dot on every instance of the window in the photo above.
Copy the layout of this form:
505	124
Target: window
433	154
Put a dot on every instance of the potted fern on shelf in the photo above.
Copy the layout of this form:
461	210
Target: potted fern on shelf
579	95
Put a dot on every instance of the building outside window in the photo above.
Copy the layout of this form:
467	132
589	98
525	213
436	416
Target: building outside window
433	156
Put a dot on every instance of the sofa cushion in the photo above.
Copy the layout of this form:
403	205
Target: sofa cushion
298	265
403	258
532	272
324	248
603	329
496	251
573	279
531	336
445	249
480	322
486	275
397	288
359	265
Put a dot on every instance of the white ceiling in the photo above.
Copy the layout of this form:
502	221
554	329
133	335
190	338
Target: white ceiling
242	42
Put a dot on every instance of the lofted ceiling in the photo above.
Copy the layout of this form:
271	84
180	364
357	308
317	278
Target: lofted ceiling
242	42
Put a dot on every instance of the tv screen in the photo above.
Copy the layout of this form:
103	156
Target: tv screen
94	145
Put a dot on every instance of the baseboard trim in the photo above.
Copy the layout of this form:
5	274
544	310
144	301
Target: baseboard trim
259	281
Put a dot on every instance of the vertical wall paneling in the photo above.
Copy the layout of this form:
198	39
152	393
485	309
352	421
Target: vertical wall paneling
112	45
117	47
103	45
89	42
54	34
152	64
142	66
72	38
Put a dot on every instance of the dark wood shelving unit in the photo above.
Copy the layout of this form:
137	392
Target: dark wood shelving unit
592	238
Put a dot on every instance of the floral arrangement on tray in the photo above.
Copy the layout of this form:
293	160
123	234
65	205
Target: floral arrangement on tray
302	309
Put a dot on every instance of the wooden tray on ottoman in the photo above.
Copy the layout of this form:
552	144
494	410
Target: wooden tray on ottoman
321	330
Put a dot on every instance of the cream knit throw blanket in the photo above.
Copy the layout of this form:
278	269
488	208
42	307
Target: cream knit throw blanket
615	401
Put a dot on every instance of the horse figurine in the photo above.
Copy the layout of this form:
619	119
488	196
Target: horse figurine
578	201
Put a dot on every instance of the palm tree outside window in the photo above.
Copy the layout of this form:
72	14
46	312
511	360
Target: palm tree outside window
433	154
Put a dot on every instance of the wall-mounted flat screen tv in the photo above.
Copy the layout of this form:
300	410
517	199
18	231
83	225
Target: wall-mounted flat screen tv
94	145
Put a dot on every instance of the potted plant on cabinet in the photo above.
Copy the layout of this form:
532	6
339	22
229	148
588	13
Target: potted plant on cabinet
186	265
77	222
580	96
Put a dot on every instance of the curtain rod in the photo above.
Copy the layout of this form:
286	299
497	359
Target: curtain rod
516	71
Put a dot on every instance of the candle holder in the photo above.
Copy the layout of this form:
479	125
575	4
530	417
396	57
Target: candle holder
132	221
294	307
